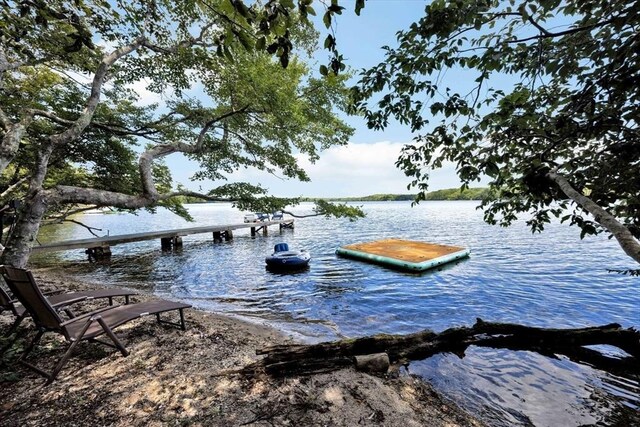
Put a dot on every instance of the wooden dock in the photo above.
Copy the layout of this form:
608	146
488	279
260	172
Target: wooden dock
99	247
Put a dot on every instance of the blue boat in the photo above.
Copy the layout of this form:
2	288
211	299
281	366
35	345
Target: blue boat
284	259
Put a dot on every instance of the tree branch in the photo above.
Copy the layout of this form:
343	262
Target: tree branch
81	224
143	131
302	216
207	126
11	139
401	349
186	193
13	187
79	195
627	241
546	34
193	41
84	120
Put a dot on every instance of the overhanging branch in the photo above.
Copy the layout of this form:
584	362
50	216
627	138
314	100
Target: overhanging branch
80	124
627	241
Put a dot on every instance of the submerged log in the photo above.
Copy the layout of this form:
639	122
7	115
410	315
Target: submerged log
401	349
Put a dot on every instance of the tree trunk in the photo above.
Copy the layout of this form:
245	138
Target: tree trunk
622	234
30	214
400	349
25	231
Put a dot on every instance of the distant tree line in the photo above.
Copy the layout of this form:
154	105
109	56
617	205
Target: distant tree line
455	194
447	194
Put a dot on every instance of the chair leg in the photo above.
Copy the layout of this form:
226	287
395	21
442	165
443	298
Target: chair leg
180	324
67	354
33	343
22	359
113	336
15	324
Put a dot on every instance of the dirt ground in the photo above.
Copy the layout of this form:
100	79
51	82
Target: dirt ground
174	377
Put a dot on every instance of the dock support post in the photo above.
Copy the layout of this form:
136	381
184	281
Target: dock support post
253	231
165	243
98	253
217	237
228	235
168	243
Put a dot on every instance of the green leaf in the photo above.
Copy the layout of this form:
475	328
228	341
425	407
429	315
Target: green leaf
327	19
284	59
329	42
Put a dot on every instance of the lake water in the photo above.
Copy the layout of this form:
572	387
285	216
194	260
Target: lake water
551	279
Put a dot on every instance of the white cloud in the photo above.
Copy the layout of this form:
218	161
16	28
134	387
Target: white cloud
146	97
351	170
364	169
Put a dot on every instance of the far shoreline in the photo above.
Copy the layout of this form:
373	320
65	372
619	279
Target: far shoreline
448	194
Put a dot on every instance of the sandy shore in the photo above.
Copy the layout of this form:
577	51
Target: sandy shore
172	377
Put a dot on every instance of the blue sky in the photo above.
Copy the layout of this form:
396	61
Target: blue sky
366	165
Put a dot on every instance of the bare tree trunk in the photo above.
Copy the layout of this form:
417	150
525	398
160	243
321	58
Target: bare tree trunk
26	230
30	215
625	239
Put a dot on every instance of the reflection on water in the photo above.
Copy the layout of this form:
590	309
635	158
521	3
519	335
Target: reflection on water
550	279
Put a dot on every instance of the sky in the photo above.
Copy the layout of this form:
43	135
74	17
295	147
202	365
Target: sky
367	164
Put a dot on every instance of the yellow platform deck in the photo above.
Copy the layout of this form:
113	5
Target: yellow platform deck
404	254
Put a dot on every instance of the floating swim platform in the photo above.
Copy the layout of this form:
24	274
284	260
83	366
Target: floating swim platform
404	254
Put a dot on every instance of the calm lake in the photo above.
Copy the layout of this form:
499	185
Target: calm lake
551	279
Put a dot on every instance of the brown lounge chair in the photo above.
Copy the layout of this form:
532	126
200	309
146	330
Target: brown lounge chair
60	301
85	327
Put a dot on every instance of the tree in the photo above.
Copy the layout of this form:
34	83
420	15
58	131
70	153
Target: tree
73	132
551	113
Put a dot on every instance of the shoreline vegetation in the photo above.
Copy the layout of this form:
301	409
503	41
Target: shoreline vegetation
476	193
174	377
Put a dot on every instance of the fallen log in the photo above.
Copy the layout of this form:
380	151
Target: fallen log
401	349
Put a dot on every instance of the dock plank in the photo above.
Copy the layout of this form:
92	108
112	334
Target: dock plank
149	235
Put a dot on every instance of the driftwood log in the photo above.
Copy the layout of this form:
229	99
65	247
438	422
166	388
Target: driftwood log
376	353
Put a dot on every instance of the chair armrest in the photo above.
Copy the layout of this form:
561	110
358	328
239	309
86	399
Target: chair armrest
91	313
56	292
68	302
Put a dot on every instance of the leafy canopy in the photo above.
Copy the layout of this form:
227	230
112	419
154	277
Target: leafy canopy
542	89
236	93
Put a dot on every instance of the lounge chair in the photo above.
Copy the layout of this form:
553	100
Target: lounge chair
85	327
60	301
